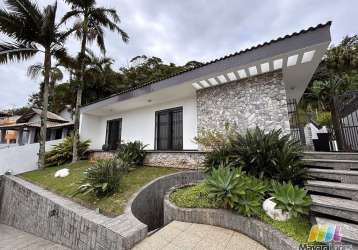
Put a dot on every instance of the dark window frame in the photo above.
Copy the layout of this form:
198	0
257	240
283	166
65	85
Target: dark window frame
119	133
170	129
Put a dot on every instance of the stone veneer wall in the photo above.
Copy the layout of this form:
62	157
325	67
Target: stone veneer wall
35	210
175	159
254	101
171	159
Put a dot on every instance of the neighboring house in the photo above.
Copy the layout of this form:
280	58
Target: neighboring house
249	88
27	127
10	135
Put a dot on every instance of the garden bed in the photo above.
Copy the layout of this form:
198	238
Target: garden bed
112	205
196	196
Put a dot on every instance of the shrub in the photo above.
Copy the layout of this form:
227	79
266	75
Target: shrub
231	188
290	198
212	139
103	178
250	202
132	153
263	155
224	186
62	152
324	118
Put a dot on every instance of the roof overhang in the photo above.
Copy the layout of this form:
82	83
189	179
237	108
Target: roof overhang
297	55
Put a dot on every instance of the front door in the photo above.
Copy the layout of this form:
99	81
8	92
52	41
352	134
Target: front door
169	129
113	133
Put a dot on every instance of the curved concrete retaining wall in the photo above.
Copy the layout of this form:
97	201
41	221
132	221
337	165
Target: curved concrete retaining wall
147	204
253	228
35	210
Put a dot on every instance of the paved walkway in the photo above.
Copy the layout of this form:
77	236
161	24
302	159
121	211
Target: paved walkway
13	239
184	236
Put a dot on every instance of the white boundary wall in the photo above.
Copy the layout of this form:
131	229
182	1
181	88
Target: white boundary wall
20	159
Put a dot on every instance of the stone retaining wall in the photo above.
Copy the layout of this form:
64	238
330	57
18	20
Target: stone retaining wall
253	228
35	210
175	159
147	204
170	159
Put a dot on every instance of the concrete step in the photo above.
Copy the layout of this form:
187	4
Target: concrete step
340	208
331	155
331	163
349	231
343	176
349	191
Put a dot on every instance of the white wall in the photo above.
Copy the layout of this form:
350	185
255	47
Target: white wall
20	159
139	124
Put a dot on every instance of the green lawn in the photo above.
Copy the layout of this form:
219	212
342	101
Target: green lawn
112	205
197	197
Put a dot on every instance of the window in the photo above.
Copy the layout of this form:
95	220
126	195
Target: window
113	133
169	129
58	133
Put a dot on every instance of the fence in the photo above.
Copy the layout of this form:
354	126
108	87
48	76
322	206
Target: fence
20	159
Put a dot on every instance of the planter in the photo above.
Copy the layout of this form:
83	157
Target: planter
257	230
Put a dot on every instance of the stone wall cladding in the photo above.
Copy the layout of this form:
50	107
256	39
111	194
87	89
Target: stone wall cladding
253	228
170	159
47	215
180	159
255	101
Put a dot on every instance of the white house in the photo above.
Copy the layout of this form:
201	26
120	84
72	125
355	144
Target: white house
249	88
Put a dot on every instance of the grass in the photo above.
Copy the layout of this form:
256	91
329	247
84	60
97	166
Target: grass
111	205
197	197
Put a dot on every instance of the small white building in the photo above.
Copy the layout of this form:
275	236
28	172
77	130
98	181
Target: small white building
249	88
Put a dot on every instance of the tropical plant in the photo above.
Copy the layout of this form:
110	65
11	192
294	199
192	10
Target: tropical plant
225	185
219	156
89	24
290	198
249	204
212	139
132	152
62	152
269	155
103	178
32	31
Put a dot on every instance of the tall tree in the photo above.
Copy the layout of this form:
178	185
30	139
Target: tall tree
89	24
32	31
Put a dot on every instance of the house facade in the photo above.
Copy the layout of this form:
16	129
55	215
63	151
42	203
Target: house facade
249	88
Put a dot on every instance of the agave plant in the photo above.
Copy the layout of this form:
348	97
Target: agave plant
132	152
225	185
290	198
103	178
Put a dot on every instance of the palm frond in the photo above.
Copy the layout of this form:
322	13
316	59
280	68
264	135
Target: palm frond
16	52
24	8
70	14
35	70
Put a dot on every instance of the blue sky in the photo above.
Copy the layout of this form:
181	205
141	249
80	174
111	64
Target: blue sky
202	30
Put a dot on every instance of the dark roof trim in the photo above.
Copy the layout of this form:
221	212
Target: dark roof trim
303	38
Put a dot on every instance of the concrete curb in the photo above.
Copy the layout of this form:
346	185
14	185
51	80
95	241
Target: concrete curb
253	228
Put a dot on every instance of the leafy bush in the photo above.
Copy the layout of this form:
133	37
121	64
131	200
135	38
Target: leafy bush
132	153
224	186
213	139
250	202
263	155
62	152
103	178
324	118
231	188
290	198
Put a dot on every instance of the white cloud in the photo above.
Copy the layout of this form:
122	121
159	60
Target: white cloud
179	31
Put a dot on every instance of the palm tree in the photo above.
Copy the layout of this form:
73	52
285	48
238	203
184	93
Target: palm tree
30	32
89	24
35	70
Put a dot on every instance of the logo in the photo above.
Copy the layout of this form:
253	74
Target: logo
325	237
325	233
